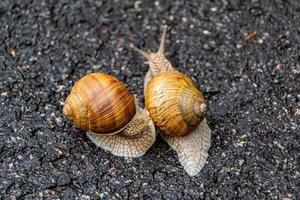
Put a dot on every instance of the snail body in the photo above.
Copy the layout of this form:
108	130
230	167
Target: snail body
178	109
102	106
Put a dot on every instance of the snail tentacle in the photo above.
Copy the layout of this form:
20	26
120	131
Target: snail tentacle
144	53
162	41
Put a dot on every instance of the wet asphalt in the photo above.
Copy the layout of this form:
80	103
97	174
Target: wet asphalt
252	85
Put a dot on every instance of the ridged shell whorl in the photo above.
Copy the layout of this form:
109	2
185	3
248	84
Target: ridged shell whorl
174	103
100	103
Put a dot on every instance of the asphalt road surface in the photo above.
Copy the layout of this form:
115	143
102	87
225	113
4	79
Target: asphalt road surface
244	55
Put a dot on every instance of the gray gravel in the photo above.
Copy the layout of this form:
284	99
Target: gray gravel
253	90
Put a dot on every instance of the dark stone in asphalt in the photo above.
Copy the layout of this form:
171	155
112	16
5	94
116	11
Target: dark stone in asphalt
252	87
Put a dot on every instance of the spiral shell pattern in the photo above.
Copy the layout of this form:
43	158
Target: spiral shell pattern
100	103
174	103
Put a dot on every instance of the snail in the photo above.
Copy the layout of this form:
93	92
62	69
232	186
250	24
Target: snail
102	106
177	108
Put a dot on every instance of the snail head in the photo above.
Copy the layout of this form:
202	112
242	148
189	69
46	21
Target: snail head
156	60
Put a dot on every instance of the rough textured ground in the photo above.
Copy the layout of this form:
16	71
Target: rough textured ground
253	90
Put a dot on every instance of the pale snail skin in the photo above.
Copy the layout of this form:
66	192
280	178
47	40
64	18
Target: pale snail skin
191	146
102	106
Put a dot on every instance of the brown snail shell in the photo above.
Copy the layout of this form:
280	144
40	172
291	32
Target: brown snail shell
176	106
101	105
